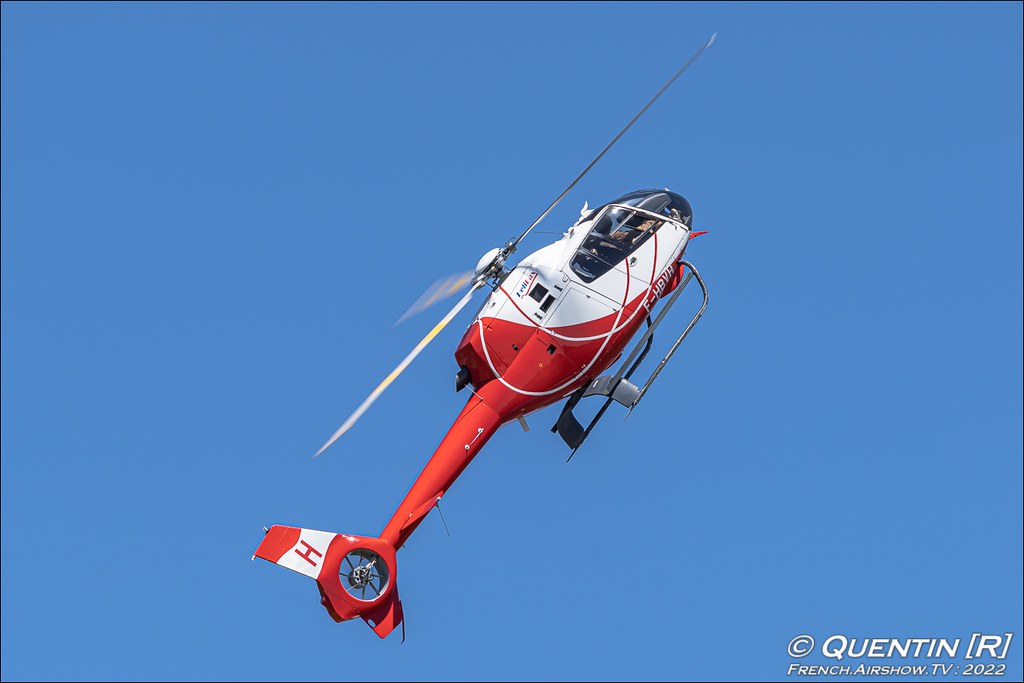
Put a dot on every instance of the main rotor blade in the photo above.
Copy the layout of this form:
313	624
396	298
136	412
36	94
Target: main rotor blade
437	292
401	368
512	247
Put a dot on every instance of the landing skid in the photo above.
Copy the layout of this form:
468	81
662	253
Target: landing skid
618	387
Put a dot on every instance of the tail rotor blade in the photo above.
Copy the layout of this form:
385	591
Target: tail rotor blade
401	368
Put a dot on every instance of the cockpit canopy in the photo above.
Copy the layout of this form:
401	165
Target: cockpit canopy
618	232
665	202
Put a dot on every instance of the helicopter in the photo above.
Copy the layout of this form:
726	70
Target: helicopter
551	328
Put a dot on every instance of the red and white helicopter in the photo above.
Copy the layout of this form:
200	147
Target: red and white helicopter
549	330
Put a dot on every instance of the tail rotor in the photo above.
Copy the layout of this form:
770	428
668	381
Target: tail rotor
356	575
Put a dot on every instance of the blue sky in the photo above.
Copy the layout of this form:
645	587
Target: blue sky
212	215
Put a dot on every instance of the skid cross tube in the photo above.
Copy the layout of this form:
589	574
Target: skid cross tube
608	385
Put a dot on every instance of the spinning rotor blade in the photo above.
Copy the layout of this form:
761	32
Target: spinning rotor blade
437	292
491	266
511	247
401	367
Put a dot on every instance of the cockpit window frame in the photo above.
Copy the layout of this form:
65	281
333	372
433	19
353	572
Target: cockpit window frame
587	252
648	214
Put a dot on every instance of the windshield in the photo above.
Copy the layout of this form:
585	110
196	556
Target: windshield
616	234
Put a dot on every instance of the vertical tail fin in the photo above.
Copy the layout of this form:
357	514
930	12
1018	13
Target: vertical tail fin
356	575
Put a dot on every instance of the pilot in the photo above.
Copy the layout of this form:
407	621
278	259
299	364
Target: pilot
628	237
623	236
641	230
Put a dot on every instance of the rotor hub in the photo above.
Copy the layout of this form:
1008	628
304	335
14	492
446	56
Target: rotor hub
360	576
363	574
490	263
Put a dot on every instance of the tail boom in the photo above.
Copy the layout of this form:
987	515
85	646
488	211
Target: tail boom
474	426
347	568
